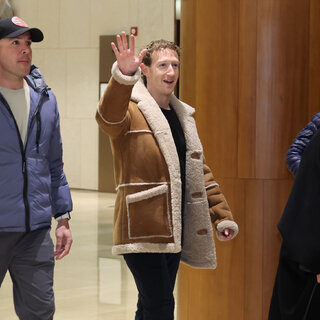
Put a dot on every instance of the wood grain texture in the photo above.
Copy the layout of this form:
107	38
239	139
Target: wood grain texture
188	59
247	146
255	78
314	65
217	82
282	42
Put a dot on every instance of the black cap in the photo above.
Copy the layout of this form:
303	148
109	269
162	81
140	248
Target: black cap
14	26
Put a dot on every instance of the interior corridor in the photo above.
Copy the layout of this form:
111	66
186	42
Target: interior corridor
90	283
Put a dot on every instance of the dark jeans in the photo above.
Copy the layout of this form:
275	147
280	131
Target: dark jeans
296	293
30	260
155	276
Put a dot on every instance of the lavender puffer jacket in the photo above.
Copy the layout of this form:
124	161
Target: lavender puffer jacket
33	186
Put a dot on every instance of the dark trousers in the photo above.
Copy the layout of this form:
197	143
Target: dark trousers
155	276
29	259
296	293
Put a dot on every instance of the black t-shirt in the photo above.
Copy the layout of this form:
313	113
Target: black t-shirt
180	142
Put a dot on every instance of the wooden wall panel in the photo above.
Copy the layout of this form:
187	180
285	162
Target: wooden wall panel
188	40
255	78
282	41
247	89
217	79
314	66
253	234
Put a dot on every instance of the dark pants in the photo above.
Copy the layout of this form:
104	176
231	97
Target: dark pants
296	293
30	260
155	276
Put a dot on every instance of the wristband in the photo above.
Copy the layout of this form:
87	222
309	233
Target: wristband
64	216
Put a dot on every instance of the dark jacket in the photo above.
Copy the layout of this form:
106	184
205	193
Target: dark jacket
33	186
300	222
295	151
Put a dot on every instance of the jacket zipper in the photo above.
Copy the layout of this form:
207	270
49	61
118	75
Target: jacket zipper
23	155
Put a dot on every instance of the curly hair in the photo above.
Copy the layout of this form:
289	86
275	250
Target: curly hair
156	46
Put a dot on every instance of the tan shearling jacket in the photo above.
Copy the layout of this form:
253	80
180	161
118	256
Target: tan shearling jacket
147	215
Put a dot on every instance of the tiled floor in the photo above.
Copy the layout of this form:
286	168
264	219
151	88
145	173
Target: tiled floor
90	283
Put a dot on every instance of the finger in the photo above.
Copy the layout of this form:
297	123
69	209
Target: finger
60	254
68	246
119	42
115	49
64	251
226	232
132	46
57	254
142	54
58	246
124	40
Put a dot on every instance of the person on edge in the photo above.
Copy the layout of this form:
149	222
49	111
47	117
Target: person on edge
296	293
167	198
33	186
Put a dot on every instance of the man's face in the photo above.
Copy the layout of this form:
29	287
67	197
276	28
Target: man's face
163	73
15	57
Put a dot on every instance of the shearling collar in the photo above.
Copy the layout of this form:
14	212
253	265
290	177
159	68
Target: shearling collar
140	93
157	121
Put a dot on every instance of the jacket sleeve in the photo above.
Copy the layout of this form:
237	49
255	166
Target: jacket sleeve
60	191
303	138
112	113
220	212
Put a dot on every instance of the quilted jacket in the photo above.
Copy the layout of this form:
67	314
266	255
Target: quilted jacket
33	186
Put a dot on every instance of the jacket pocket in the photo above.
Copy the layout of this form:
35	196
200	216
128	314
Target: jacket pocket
148	213
197	224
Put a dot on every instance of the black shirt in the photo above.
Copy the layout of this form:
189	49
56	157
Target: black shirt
180	142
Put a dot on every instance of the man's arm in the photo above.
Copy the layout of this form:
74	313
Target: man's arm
60	191
112	115
220	212
301	141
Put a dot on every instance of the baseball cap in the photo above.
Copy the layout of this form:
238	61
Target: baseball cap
14	26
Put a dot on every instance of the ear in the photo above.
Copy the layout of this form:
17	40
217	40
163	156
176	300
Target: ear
144	69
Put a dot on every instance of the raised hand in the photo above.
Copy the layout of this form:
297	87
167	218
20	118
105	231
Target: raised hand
128	63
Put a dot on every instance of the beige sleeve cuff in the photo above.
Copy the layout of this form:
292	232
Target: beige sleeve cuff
224	225
123	79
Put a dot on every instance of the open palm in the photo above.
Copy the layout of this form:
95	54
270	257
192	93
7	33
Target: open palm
128	62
